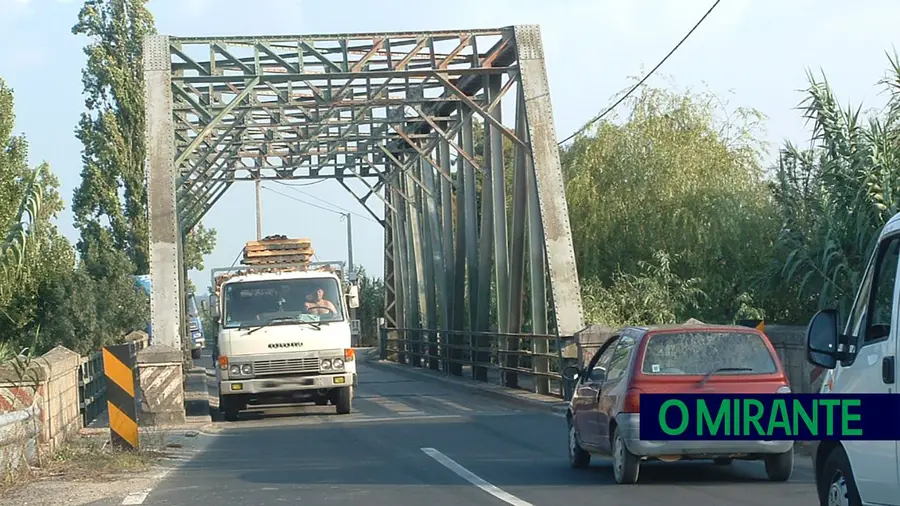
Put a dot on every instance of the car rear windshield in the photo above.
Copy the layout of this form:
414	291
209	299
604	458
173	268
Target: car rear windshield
697	353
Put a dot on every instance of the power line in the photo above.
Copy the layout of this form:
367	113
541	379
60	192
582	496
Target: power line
318	206
636	86
343	211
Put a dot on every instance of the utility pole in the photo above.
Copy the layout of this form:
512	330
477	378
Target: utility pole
350	273
258	210
349	242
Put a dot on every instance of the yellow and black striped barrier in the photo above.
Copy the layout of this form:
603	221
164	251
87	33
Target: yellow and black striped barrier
118	367
759	325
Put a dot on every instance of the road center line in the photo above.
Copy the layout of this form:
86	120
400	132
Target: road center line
474	479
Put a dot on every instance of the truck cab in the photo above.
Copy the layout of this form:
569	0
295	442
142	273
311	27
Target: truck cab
283	337
861	359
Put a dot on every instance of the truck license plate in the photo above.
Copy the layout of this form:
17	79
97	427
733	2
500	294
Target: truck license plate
275	384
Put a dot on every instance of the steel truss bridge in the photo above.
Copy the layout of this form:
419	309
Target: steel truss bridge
449	134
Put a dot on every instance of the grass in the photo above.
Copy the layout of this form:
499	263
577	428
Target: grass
87	458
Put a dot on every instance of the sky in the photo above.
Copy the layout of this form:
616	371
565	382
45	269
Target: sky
752	53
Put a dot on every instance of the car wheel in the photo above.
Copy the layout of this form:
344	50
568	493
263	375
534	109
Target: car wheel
578	458
779	467
626	465
835	481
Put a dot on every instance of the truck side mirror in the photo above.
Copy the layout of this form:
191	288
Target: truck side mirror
214	305
204	305
822	339
353	296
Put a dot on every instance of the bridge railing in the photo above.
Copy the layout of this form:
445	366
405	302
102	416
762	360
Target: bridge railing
525	361
92	381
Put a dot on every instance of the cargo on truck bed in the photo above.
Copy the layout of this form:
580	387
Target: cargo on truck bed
278	249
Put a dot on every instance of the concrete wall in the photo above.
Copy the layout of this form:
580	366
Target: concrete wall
39	406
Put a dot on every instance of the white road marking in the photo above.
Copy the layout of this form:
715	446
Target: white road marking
474	479
135	498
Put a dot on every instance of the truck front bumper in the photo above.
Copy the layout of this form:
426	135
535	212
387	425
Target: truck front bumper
286	384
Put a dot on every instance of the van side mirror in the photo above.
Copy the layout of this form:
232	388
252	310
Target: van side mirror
353	296
214	306
822	339
571	373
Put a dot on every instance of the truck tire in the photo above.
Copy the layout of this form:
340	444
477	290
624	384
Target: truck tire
229	408
343	400
836	480
195	354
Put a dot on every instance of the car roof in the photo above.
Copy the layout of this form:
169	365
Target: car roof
691	327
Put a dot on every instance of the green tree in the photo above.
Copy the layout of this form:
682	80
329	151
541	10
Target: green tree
112	130
371	307
680	179
834	198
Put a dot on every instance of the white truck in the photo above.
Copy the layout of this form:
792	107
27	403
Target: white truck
283	337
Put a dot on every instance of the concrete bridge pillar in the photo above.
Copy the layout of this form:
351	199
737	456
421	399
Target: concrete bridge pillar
161	383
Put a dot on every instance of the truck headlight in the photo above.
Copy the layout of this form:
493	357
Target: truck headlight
337	363
246	370
240	370
325	365
234	370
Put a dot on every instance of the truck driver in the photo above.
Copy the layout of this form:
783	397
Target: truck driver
316	303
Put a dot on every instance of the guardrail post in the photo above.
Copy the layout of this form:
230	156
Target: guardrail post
382	339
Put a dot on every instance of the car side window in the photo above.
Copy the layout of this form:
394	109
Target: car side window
621	358
881	304
600	363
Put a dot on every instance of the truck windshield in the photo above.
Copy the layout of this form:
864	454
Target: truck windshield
700	352
250	303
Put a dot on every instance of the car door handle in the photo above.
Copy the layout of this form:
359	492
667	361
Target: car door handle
887	370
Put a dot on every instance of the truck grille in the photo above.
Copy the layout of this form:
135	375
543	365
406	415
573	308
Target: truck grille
285	366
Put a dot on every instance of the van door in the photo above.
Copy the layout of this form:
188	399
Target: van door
874	325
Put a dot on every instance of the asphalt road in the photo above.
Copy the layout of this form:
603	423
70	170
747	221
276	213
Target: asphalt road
415	442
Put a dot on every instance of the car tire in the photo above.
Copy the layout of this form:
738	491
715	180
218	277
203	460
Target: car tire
343	400
626	465
779	467
578	458
195	354
835	481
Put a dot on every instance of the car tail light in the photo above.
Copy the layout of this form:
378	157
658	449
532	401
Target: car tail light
632	402
784	389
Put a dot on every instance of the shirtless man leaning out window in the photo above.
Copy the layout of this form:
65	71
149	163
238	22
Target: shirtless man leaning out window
317	304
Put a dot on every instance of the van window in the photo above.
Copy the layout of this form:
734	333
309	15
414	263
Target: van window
881	303
701	352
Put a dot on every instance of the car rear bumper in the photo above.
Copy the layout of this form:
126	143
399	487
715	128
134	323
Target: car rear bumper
630	426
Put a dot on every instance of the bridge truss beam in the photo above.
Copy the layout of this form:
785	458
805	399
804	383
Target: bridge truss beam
469	202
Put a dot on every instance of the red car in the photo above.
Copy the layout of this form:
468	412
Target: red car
603	416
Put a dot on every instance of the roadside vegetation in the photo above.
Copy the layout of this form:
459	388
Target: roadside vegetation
676	209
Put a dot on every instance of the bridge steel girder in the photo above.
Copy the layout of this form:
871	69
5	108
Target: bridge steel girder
399	113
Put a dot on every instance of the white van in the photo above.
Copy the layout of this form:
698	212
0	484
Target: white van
861	359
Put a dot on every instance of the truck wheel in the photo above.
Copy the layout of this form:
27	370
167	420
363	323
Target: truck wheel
343	400
195	354
229	409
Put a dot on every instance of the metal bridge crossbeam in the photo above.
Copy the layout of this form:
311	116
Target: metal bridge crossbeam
394	113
